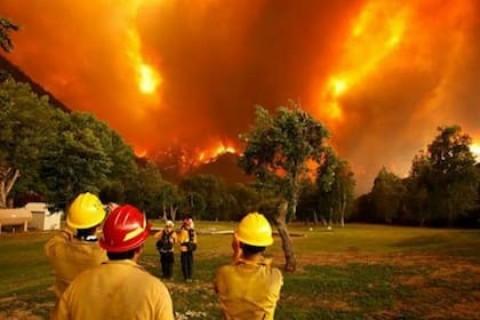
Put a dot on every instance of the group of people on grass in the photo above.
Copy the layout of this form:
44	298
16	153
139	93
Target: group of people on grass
166	240
100	278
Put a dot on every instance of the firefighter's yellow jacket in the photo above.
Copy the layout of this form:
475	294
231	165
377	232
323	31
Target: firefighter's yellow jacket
248	289
69	256
184	237
120	290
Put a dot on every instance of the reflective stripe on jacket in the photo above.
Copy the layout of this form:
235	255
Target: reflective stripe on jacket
248	289
116	290
69	256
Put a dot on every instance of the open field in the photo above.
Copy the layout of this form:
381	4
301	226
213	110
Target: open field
359	272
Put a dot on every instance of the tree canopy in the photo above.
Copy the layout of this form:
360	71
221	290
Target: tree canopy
280	151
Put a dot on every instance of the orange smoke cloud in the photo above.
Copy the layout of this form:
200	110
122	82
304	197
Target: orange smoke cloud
381	74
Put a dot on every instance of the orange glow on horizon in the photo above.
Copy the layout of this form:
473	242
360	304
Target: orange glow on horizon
475	149
381	76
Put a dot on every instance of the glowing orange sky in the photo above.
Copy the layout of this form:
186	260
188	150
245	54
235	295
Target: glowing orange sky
381	74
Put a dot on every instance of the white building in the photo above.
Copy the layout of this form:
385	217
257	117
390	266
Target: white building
42	218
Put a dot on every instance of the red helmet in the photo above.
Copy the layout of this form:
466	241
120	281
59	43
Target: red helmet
188	222
124	229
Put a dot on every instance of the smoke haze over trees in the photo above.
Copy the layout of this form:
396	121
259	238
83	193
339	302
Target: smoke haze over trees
382	75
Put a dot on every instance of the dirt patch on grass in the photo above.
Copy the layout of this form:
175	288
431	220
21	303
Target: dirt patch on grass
18	314
334	303
435	287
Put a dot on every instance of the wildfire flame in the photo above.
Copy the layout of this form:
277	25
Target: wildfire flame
371	40
381	75
140	153
219	149
475	149
148	78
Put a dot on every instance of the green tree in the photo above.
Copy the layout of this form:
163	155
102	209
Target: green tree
193	204
246	200
172	200
28	124
448	175
335	186
75	162
308	202
278	149
387	194
120	162
121	156
212	189
418	184
342	191
145	190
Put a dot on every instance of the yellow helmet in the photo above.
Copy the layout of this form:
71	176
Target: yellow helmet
255	230
86	211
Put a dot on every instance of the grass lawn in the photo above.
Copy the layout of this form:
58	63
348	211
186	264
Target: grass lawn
359	272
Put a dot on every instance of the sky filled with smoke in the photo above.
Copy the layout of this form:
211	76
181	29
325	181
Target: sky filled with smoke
382	75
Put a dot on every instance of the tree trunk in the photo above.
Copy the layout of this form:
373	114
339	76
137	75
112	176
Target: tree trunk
315	217
7	180
164	209
287	246
324	221
173	213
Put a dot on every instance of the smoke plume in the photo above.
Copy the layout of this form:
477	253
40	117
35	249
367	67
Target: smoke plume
382	75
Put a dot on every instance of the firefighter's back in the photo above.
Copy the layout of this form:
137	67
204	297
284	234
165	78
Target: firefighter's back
249	290
116	290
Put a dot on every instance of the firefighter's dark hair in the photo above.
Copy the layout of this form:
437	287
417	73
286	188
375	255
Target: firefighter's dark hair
123	255
249	250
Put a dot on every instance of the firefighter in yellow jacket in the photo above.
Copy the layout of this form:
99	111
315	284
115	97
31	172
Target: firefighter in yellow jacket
76	248
249	288
119	288
188	244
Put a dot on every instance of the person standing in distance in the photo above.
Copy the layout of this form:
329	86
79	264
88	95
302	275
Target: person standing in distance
119	288
249	288
76	248
188	244
166	238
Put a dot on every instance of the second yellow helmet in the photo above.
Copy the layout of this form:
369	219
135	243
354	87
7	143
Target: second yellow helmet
255	230
86	211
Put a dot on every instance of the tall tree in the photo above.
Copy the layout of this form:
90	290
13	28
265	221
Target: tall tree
387	194
335	184
418	185
145	190
28	125
342	191
246	198
75	162
171	199
212	189
278	149
447	173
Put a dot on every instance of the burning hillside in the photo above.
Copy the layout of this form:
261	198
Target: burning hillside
381	74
